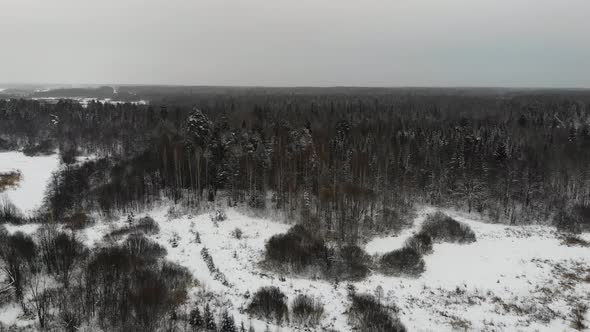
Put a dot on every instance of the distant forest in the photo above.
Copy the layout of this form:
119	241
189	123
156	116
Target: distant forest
346	162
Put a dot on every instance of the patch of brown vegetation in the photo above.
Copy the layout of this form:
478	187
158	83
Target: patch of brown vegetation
9	180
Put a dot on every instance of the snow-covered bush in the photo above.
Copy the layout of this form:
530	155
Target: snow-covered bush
367	314
174	212
442	228
575	220
78	220
402	262
306	310
217	274
257	201
218	215
299	251
146	225
9	212
142	248
352	264
237	233
174	240
297	248
421	243
269	303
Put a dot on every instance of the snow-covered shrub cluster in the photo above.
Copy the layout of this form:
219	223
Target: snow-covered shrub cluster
146	225
306	310
218	215
402	262
9	212
78	220
237	233
421	243
367	314
217	274
442	228
438	227
298	251
270	304
573	220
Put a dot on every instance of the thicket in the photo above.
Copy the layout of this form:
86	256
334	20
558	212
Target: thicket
368	314
270	304
442	228
299	251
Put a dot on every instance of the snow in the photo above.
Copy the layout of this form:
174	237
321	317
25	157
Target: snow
28	229
84	101
512	278
36	172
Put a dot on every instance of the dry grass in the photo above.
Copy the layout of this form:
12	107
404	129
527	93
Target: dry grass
9	180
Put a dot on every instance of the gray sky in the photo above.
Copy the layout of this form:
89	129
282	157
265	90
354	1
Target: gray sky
526	43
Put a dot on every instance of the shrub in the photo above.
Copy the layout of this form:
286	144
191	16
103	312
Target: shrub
352	265
9	179
257	201
442	228
402	262
237	233
217	274
9	212
367	314
421	243
297	248
78	220
307	311
146	225
575	221
143	250
218	215
46	147
269	303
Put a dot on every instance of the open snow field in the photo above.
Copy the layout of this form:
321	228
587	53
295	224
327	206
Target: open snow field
513	278
35	171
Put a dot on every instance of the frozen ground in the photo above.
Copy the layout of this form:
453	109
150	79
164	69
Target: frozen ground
512	279
36	172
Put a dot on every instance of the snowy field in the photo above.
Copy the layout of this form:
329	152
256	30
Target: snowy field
512	278
35	171
521	278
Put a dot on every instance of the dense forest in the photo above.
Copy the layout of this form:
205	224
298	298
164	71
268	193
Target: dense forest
343	164
348	165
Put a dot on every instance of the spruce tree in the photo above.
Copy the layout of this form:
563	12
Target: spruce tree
227	323
195	318
209	320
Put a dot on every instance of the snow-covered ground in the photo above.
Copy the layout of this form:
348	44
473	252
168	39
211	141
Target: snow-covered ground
513	278
84	101
35	171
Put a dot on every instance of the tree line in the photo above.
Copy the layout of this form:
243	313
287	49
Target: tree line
346	165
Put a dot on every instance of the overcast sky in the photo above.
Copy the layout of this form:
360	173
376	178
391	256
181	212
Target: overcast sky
524	43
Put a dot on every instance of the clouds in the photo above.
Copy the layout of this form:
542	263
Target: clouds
288	42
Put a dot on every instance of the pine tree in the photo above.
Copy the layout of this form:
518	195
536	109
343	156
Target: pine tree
242	328
198	128
227	323
195	318
209	320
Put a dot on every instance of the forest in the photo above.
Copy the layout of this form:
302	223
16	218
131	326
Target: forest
343	164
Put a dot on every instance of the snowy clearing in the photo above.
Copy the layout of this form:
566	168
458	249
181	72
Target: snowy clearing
512	278
35	171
